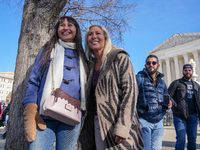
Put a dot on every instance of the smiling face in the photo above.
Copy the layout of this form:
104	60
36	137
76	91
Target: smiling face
66	31
187	73
96	39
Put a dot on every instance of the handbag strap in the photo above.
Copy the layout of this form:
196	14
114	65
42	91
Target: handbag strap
52	74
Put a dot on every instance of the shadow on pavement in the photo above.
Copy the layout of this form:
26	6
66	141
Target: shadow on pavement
169	128
172	144
168	144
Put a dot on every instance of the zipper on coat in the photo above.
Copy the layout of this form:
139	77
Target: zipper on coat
156	95
186	100
158	104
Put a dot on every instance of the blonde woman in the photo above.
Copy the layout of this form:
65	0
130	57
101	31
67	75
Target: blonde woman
110	121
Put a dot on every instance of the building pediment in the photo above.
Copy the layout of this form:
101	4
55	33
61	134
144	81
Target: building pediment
176	40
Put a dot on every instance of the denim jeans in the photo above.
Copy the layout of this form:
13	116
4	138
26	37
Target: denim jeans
66	136
182	127
152	134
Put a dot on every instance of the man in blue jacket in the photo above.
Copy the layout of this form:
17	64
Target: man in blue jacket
150	103
185	96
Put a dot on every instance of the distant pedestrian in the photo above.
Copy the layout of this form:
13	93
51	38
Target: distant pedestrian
185	96
5	113
150	105
5	116
1	112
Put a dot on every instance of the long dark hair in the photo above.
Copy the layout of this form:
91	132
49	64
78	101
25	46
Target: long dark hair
49	45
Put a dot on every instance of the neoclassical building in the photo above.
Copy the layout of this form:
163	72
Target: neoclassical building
174	52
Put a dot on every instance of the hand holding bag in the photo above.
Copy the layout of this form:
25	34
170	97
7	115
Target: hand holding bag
61	106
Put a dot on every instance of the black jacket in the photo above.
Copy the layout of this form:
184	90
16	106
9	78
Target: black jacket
178	95
5	112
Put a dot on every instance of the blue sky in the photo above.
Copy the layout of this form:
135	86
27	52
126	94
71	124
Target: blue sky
153	22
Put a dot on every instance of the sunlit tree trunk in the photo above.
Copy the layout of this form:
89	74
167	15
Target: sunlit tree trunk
39	17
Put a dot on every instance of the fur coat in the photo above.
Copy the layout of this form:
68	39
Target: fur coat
116	97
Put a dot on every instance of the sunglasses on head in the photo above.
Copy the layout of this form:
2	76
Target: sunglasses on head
149	62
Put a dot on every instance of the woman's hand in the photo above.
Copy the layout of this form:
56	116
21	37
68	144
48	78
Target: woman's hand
32	119
119	139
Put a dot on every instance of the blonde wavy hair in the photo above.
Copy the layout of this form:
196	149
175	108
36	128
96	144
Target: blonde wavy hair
107	48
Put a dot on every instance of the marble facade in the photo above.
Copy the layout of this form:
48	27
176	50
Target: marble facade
176	51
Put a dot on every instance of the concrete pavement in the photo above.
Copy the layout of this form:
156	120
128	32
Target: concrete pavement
169	139
2	141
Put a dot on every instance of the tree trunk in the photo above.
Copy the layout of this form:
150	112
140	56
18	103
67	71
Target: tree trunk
39	17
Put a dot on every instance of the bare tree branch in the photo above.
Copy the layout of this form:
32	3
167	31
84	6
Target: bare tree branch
112	14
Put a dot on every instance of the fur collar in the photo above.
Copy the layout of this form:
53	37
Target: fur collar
110	58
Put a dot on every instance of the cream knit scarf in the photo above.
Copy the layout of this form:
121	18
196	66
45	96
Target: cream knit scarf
58	61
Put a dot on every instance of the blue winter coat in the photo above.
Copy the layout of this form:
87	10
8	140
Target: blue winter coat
149	104
37	80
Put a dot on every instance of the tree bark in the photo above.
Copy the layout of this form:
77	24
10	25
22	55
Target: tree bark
39	17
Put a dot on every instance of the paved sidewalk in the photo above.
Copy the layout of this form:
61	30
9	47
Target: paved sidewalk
2	141
169	138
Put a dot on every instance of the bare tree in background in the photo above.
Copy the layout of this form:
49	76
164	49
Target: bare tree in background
39	17
112	14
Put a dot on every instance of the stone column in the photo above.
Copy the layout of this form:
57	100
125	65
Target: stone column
186	58
196	59
177	73
168	72
160	68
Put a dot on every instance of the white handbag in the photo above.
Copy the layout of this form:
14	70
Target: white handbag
61	106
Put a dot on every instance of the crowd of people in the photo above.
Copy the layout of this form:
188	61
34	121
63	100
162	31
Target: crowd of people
4	115
120	110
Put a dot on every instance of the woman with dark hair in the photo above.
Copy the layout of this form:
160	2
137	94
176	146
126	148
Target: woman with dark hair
69	74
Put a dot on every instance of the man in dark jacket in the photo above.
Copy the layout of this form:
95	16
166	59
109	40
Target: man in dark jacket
150	103
185	96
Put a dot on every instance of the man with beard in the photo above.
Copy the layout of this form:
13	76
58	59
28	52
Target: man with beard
150	103
185	96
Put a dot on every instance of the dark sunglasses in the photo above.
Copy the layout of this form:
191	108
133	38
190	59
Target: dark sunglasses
149	62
